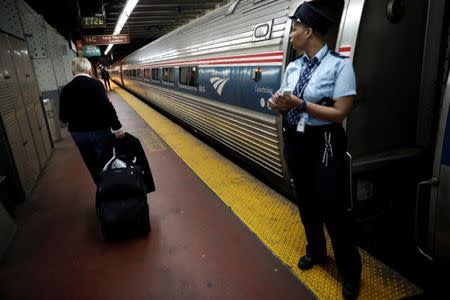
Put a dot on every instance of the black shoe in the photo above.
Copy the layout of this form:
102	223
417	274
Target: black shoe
307	262
350	291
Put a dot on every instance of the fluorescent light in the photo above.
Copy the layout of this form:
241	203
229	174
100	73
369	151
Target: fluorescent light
109	48
126	12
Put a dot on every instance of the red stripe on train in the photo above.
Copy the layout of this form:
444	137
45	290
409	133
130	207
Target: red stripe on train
245	62
243	56
260	61
345	49
268	54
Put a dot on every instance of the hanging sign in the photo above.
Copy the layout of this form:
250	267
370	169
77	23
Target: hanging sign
106	39
89	51
93	22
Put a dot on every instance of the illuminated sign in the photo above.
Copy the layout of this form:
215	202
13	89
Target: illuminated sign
93	22
91	51
106	39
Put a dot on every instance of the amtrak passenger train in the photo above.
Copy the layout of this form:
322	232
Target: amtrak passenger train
216	74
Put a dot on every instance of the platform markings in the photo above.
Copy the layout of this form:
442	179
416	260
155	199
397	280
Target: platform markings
273	218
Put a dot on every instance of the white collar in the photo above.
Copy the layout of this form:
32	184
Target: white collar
320	55
82	74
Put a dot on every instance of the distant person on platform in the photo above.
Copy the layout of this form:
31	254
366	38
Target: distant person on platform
85	107
105	77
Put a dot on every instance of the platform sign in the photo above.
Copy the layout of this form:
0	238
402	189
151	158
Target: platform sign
93	22
89	51
106	39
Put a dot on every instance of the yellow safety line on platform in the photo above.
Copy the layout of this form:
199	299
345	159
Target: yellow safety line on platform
273	218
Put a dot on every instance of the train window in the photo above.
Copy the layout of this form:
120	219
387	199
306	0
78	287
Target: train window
168	75
262	31
156	74
147	73
189	76
138	73
133	73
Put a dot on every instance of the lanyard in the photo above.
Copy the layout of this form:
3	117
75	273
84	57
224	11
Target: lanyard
300	93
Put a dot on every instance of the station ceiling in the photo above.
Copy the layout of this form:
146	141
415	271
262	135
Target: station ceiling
149	20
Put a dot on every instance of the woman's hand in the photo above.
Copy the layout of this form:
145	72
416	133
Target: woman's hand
272	103
285	103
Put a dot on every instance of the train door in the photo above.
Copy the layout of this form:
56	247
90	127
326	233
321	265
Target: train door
391	131
442	212
436	244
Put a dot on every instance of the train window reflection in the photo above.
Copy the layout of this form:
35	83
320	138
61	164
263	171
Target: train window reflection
156	74
189	76
168	75
147	73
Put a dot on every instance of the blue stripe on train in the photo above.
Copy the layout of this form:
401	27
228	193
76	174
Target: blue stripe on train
446	145
232	85
235	86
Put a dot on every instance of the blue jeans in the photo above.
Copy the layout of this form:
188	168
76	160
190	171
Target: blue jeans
95	149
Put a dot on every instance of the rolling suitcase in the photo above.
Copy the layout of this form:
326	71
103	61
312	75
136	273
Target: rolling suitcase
121	200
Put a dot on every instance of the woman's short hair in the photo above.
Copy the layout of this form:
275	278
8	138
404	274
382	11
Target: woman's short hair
81	65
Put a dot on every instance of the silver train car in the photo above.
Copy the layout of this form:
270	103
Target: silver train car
216	74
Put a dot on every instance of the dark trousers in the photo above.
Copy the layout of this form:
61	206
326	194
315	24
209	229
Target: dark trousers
107	83
95	149
317	162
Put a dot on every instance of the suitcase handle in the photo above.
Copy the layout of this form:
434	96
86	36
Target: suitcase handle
114	158
123	158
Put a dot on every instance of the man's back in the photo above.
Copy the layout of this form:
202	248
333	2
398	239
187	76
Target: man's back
105	74
85	105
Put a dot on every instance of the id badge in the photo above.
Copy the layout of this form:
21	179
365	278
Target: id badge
301	124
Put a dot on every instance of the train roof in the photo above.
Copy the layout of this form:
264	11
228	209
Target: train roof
245	26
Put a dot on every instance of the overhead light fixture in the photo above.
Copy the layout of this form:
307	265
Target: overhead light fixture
126	12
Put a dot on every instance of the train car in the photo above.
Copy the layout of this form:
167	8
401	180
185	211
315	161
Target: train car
216	74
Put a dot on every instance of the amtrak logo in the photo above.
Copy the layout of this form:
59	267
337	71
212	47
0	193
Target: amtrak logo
218	84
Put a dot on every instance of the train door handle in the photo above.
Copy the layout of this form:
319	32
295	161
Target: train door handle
432	181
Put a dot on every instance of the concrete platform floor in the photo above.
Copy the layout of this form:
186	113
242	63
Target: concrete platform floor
198	249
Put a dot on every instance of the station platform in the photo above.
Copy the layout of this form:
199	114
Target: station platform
217	232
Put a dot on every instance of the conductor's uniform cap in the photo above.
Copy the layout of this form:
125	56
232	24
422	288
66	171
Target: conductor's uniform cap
312	17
